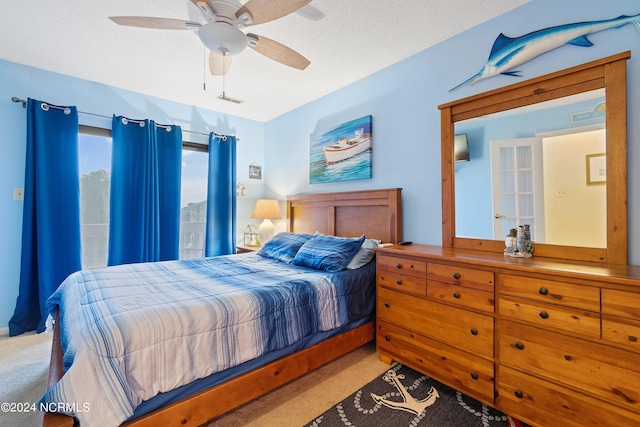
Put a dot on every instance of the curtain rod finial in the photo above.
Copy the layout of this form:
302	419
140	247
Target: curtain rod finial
16	99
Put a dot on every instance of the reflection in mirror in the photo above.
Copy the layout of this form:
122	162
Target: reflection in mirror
461	148
560	181
530	166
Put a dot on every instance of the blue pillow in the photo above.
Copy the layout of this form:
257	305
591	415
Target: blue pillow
328	253
283	246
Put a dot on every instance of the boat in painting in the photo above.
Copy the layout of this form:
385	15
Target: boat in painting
346	148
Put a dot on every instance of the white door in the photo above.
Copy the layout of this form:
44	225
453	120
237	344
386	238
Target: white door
517	181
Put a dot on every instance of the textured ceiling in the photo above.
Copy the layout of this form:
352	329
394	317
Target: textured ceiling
345	40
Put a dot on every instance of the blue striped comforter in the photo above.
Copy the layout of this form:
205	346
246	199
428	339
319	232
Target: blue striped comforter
132	331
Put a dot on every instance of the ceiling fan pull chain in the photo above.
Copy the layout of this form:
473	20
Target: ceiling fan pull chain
204	67
224	57
223	94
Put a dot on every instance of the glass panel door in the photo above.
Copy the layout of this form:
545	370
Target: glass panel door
517	181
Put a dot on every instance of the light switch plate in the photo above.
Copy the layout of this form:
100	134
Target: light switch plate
18	194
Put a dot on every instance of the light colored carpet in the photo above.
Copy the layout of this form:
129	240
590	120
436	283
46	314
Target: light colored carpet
24	363
24	367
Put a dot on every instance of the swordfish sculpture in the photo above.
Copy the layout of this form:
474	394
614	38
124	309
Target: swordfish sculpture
508	52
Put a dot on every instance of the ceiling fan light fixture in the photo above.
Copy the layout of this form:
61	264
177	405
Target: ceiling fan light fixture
220	37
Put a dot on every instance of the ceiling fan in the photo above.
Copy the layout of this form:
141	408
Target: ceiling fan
223	34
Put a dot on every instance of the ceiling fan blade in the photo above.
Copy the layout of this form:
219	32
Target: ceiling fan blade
219	64
153	22
310	12
267	10
277	51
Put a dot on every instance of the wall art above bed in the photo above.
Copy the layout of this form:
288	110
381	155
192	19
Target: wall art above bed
342	153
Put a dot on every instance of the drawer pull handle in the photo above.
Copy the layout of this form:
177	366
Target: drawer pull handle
519	346
518	394
544	314
386	304
387	338
474	331
474	375
456	294
543	291
399	265
456	276
398	282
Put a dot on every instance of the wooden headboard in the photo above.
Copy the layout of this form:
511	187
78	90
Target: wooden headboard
375	213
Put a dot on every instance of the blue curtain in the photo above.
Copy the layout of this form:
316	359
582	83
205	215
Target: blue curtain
146	166
51	216
221	196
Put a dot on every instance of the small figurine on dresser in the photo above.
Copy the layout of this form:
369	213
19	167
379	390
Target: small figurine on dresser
518	243
510	242
528	248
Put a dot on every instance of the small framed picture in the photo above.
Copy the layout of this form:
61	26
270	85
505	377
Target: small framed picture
255	171
596	169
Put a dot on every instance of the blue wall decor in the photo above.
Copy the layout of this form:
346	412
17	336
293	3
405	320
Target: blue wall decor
342	153
508	52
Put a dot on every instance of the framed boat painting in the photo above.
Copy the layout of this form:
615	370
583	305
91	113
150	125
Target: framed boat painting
342	153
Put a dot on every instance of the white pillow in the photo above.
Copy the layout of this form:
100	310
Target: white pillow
364	254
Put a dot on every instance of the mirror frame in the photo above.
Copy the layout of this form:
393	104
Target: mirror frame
609	73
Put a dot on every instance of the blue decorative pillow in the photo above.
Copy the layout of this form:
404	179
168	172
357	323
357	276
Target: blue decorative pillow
328	253
283	246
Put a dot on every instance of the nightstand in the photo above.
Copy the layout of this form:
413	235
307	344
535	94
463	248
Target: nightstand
243	249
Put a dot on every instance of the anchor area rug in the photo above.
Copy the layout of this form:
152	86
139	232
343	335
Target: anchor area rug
404	397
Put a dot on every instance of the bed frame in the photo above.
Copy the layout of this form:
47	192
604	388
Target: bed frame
375	213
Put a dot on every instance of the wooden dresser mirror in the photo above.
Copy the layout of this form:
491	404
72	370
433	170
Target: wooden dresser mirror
607	75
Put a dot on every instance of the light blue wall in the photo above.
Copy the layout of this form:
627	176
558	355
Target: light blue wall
23	82
403	100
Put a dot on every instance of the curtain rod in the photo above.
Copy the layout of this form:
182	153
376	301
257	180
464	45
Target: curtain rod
24	105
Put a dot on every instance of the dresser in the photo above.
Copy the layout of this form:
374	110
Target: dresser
550	342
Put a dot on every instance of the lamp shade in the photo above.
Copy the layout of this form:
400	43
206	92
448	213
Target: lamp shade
266	209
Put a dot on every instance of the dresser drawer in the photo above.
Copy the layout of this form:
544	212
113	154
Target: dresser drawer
621	303
609	373
547	404
401	265
565	319
622	331
621	317
458	369
468	331
560	293
462	296
402	282
468	277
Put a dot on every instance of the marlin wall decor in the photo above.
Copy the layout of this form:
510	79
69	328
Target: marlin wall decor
508	52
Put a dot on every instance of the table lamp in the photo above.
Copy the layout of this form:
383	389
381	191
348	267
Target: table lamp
266	209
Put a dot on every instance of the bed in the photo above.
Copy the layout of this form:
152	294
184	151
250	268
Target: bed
243	372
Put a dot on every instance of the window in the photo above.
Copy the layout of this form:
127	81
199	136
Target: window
193	200
94	153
